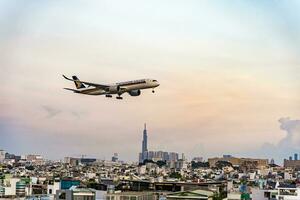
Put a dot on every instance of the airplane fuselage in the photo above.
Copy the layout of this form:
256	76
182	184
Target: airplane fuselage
133	88
121	87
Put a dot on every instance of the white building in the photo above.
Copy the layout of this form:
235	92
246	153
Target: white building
288	193
2	155
252	175
288	176
142	170
10	186
76	193
52	188
259	194
233	196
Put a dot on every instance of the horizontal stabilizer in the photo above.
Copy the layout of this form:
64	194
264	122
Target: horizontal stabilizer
80	84
67	78
76	91
77	82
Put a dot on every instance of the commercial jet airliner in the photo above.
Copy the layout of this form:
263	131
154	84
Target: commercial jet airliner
131	87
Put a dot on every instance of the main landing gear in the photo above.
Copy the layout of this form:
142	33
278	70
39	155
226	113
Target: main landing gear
110	96
119	96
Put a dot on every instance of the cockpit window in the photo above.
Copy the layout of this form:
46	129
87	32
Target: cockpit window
154	80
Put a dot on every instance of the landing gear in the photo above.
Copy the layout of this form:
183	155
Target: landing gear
119	96
108	95
153	91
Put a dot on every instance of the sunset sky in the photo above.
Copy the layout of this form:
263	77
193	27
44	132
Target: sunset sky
228	72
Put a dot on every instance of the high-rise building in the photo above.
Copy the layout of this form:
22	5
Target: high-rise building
144	144
161	155
115	157
173	156
140	158
295	156
155	155
182	156
165	156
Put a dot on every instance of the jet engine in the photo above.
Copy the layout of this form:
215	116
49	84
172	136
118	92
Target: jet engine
135	92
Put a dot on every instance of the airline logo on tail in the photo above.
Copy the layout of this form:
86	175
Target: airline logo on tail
77	82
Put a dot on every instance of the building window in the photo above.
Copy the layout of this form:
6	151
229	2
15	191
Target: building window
62	195
124	198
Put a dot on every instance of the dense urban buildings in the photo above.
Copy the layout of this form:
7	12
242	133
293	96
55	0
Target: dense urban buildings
290	163
226	177
239	161
161	175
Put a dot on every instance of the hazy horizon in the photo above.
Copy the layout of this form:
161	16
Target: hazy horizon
229	76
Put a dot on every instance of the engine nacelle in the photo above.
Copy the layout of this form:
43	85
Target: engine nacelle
114	89
135	93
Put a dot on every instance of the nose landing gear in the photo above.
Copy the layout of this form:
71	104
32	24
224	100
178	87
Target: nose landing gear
153	91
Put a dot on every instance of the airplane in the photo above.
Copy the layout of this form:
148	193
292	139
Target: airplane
133	88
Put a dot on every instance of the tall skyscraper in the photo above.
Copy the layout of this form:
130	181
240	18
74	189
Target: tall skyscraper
155	155
295	156
145	144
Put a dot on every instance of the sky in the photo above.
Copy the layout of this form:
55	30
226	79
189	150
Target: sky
229	74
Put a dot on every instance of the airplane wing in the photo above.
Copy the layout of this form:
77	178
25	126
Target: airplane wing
88	83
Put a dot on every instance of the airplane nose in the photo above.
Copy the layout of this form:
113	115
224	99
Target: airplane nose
155	83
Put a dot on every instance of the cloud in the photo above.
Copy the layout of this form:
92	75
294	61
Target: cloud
292	128
52	112
288	145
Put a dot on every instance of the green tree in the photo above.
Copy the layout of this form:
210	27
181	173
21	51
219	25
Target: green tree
175	175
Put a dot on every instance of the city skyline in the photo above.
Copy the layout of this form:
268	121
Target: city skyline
151	154
229	75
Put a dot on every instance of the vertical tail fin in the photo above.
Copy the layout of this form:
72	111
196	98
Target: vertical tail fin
77	82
